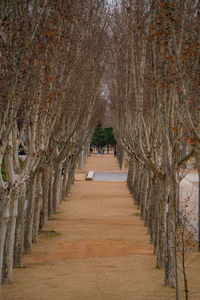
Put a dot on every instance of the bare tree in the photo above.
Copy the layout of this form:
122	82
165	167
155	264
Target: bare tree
53	62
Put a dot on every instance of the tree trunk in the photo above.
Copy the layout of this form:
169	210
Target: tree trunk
148	201
197	158
64	185
131	176
50	193
156	222
170	267
29	216
4	216
57	187
71	172
10	238
45	197
137	184
144	189
37	208
81	160
19	233
122	159
74	163
162	226
86	154
151	210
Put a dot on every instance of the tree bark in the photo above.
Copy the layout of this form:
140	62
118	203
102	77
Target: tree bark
57	187
45	197
37	208
9	242
162	226
29	216
65	179
130	177
4	217
144	188
151	209
19	233
71	172
148	202
81	160
170	272
50	193
122	159
137	184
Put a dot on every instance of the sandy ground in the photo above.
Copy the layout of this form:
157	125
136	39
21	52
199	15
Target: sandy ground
95	248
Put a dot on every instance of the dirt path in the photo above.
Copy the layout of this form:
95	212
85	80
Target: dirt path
95	248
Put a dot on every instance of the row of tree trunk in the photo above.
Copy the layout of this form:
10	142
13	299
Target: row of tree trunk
154	91
53	59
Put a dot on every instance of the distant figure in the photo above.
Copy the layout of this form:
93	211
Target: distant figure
115	153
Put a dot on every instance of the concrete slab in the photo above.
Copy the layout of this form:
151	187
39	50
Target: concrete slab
110	176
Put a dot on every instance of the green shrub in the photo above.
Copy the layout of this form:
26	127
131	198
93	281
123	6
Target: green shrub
3	169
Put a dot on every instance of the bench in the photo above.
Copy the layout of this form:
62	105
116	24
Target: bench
90	176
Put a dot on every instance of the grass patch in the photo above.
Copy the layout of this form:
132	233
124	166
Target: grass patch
126	165
57	213
50	234
23	267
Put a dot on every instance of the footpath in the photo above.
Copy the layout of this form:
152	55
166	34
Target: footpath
95	248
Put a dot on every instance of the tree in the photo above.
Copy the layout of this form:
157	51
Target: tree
103	137
99	137
148	120
53	61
